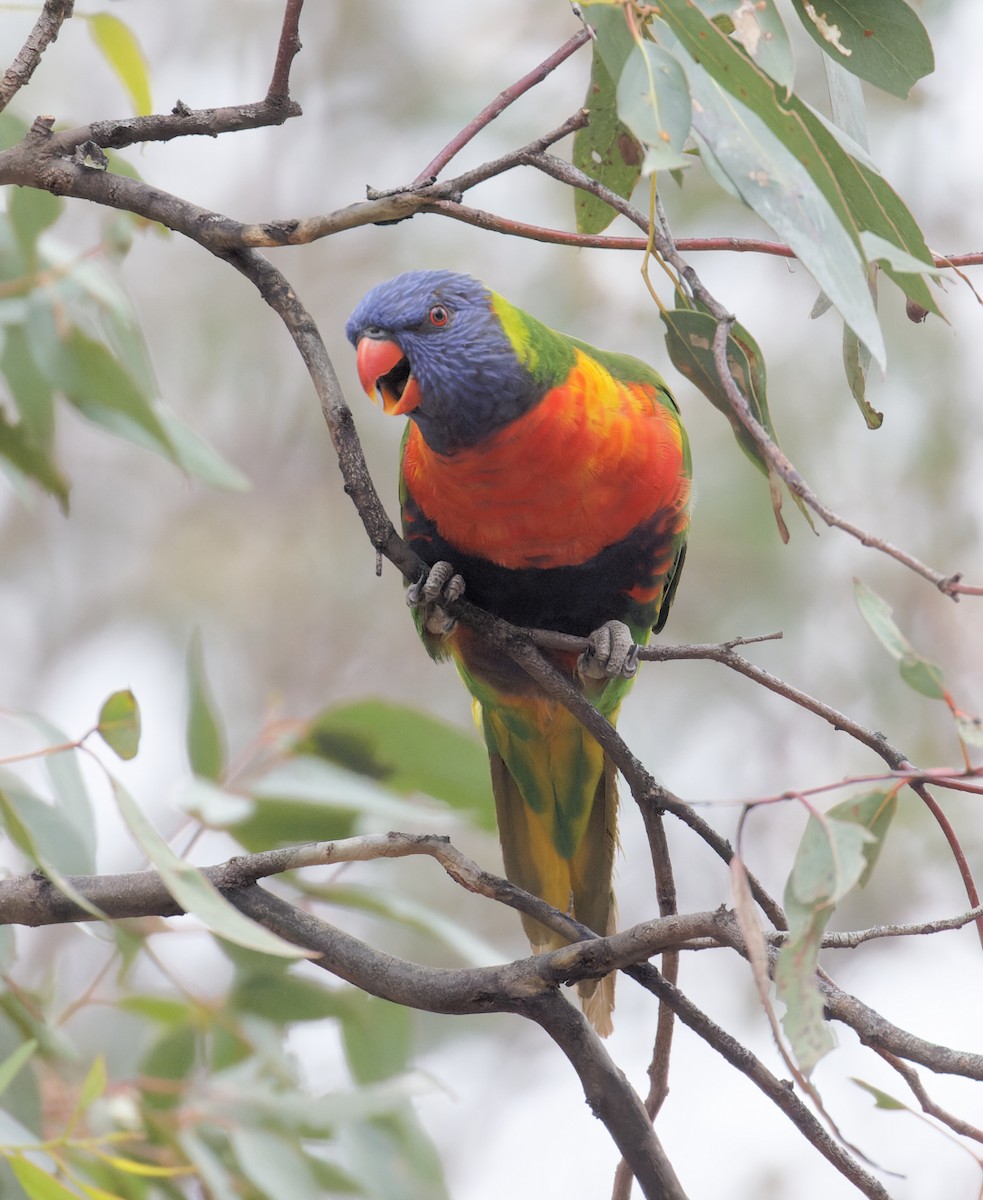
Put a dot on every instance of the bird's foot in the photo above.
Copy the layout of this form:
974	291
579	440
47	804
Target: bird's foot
611	652
435	588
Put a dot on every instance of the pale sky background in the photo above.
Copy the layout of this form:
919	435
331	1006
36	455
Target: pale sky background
281	579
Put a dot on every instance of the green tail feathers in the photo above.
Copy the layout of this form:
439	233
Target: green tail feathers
557	806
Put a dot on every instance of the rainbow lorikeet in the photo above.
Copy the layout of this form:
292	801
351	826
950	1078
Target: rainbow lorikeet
555	478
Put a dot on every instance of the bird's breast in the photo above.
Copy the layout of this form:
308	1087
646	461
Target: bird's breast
577	473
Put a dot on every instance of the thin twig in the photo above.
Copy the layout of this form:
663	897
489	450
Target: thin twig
287	49
928	1105
46	29
779	1092
658	1069
851	939
501	102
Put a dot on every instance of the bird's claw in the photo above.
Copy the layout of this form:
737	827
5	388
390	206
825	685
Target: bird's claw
611	652
435	588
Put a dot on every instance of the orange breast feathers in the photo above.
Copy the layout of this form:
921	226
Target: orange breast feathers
575	474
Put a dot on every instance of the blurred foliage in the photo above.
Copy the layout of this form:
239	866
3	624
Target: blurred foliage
201	1085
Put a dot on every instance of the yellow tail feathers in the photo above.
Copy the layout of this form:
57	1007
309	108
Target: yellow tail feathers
579	885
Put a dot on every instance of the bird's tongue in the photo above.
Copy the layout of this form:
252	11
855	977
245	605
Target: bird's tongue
384	372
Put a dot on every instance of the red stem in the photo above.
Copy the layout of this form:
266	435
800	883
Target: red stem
957	851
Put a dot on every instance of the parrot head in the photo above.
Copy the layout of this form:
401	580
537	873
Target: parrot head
431	345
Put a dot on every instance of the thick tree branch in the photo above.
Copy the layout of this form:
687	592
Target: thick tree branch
608	1093
33	900
516	987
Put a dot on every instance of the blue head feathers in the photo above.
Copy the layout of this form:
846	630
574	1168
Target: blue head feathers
453	350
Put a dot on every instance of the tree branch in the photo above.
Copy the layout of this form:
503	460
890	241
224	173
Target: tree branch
499	105
928	1105
779	1092
46	29
608	1093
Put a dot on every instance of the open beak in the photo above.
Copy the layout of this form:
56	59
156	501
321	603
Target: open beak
384	371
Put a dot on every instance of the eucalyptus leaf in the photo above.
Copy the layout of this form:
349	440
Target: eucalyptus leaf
204	738
407	750
882	1099
838	852
122	51
882	41
918	672
654	102
119	724
858	196
193	891
605	149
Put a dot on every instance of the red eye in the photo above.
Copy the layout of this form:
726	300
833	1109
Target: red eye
439	315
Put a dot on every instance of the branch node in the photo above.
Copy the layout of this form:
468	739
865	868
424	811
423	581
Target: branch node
90	154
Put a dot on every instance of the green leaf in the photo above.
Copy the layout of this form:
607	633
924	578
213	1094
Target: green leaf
281	821
205	738
837	852
918	672
162	1009
377	1037
211	805
847	105
193	891
94	1085
856	364
829	863
760	30
873	811
969	728
408	751
30	389
284	999
12	1064
40	831
96	383
122	51
172	1057
654	102
879	249
784	192
408	911
31	212
193	454
275	1165
37	1183
882	41
605	150
21	452
859	197
881	1099
119	724
394	1157
613	40
689	340
73	805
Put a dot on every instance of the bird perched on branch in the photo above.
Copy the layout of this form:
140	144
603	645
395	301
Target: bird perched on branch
554	478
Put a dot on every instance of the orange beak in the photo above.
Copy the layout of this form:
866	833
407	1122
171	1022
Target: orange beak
385	372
